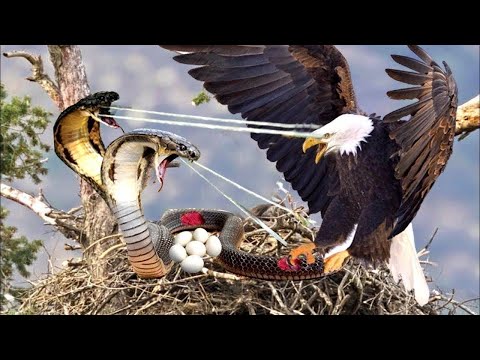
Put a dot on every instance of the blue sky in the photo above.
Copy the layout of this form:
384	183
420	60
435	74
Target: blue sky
147	78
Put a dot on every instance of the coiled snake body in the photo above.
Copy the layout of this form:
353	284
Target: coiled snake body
231	236
120	173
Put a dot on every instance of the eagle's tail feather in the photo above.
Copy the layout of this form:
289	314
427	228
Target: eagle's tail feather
404	264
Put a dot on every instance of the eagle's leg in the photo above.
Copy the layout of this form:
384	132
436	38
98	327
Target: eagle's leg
303	250
335	261
375	225
338	222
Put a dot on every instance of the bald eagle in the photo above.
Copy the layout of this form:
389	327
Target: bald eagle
366	176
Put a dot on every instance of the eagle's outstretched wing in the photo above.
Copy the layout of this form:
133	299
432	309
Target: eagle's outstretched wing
292	84
426	139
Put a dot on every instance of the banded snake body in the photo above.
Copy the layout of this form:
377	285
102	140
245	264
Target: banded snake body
120	173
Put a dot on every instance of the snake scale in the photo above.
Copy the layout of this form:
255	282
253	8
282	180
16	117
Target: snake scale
119	173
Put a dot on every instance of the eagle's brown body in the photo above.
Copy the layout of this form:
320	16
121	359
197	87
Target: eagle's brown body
370	199
383	186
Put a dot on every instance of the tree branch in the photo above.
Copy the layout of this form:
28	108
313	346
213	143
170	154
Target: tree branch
468	117
38	75
36	205
67	224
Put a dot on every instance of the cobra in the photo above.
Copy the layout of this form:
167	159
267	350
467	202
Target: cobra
77	139
123	175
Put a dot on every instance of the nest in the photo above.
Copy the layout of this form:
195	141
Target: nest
352	290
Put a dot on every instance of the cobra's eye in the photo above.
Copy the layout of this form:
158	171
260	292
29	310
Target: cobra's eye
182	147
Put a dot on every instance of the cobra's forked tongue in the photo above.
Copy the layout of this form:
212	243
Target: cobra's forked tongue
107	120
110	121
161	170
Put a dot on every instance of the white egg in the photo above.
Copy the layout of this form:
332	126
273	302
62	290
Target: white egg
192	264
177	253
214	246
196	248
201	235
183	238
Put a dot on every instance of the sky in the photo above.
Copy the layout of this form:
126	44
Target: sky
147	78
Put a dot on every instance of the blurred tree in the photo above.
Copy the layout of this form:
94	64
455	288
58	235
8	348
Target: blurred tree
22	151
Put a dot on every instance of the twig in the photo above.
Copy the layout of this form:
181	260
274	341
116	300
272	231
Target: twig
69	247
277	297
450	300
431	239
75	262
37	206
105	302
251	309
220	275
40	206
100	240
66	225
74	210
110	249
38	75
468	118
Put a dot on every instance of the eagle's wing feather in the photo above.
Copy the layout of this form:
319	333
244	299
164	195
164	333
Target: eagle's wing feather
308	84
426	139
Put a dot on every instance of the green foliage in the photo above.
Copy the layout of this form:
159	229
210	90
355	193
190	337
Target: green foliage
201	98
21	152
15	251
22	149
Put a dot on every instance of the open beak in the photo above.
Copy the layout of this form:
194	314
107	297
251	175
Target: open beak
322	147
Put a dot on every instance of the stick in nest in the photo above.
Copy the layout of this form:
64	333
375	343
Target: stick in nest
352	290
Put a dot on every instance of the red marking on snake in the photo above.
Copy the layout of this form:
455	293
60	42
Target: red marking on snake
285	265
193	218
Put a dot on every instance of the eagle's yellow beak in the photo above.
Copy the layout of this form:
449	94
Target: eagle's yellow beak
322	147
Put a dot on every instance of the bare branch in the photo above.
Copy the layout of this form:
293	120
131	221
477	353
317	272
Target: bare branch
219	275
468	117
68	225
277	297
38	75
450	300
69	247
36	205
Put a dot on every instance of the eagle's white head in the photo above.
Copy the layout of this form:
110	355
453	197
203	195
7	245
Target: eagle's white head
343	135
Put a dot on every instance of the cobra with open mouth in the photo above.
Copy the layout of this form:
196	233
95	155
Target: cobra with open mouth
162	166
125	171
121	176
77	139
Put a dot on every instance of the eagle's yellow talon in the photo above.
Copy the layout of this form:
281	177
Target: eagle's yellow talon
335	262
305	250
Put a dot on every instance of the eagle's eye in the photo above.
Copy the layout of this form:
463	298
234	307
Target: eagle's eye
327	136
